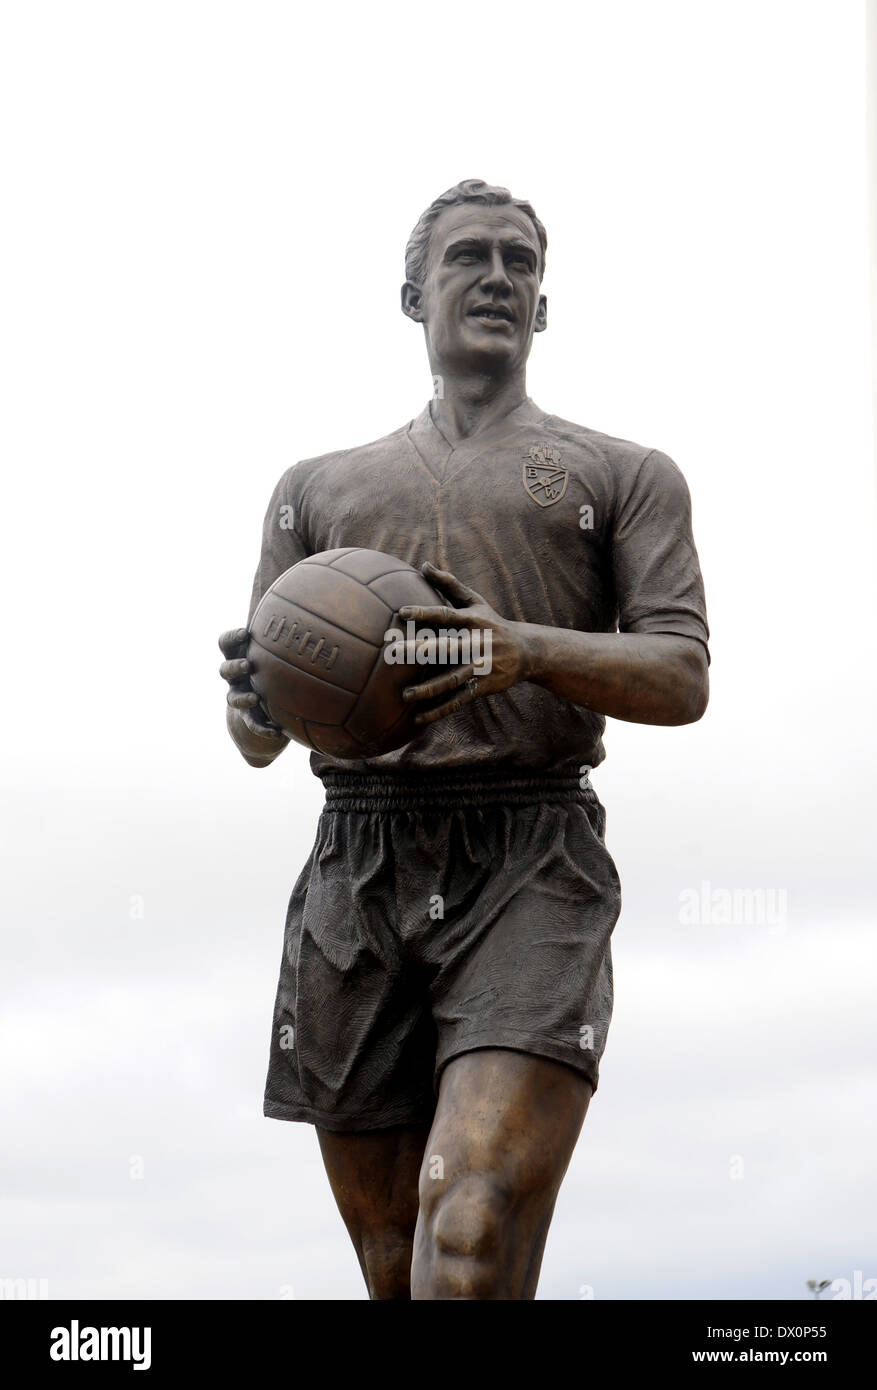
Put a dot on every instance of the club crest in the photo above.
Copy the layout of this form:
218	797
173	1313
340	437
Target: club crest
545	477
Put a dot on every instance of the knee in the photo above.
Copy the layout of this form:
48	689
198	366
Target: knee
465	1224
467	1219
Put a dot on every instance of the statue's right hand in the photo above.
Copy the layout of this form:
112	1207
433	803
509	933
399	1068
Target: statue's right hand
254	733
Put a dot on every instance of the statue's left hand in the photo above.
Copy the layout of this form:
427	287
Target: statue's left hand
500	658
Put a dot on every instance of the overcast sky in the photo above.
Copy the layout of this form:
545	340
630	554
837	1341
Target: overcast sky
209	207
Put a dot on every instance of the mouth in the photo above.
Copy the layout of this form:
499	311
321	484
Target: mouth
491	313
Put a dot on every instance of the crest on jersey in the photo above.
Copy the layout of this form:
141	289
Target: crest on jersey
545	477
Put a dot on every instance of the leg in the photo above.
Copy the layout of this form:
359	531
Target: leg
504	1131
373	1176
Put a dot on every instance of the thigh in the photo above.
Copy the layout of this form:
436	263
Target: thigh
374	1177
505	1128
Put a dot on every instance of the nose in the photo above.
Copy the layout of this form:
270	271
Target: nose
496	278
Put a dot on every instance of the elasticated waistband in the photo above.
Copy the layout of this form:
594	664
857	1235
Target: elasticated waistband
349	791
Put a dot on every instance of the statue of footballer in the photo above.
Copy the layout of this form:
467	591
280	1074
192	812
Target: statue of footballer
446	975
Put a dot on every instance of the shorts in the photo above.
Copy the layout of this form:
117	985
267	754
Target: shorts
438	914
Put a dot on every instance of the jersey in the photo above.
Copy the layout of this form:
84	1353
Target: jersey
552	522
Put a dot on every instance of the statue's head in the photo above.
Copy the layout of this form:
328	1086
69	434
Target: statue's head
473	267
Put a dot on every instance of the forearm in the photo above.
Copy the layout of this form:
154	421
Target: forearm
644	678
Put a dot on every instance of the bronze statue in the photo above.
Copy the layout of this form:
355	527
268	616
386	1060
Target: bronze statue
446	981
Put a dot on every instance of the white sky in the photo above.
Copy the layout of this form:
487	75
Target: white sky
207	207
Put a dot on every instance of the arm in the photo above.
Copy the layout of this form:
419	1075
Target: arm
646	678
257	739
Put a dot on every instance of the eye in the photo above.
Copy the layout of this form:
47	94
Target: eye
467	257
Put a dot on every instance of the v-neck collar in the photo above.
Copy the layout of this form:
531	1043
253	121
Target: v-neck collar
445	460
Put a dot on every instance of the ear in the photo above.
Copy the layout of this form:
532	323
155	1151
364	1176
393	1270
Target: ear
412	301
541	320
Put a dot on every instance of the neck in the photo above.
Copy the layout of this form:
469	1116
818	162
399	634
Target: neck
466	405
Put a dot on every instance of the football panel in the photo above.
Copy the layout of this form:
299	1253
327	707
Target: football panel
334	742
298	732
406	586
366	565
311	643
380	705
288	692
328	593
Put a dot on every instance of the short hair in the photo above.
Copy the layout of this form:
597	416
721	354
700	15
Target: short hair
469	191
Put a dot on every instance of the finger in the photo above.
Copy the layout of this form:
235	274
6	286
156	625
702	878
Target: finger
231	640
439	685
269	732
447	581
438	617
459	591
424	652
242	699
235	670
465	697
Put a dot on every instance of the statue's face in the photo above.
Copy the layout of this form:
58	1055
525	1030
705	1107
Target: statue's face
480	301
